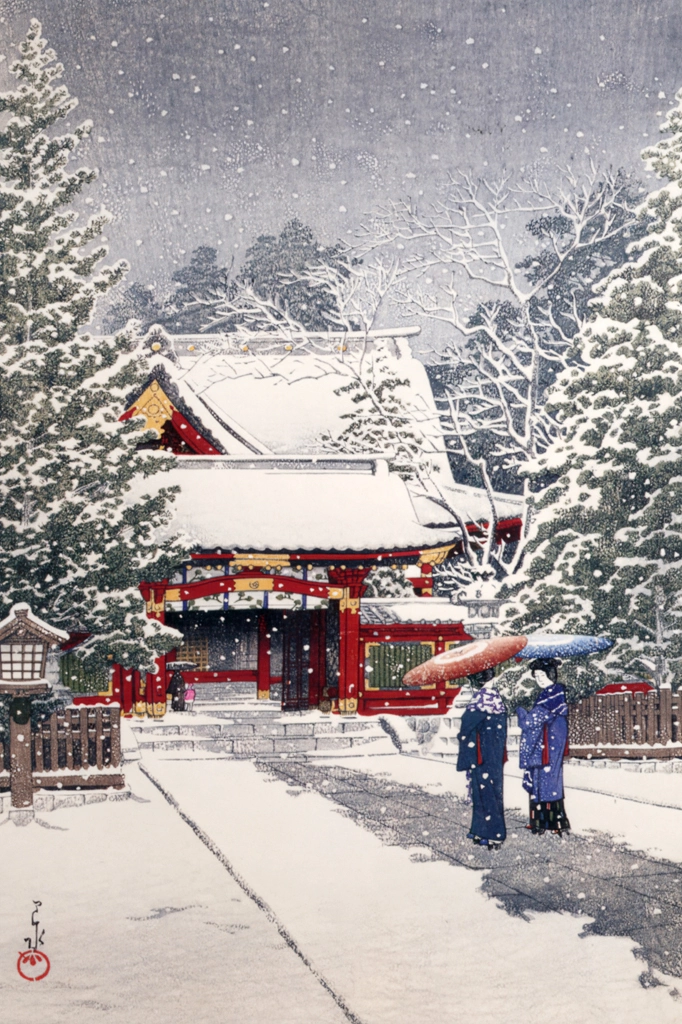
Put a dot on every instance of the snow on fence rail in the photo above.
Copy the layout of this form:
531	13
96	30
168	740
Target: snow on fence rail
74	748
626	725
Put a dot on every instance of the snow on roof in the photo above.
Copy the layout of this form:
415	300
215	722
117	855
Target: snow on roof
279	397
284	391
277	504
23	611
385	610
230	436
471	503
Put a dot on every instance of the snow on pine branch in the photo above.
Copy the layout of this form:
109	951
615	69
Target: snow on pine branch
73	542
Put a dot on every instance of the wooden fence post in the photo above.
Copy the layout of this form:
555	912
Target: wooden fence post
83	731
54	743
68	730
38	748
99	758
115	718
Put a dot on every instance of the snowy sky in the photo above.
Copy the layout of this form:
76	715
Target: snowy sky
218	120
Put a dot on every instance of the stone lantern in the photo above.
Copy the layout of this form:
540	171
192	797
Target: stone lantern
24	643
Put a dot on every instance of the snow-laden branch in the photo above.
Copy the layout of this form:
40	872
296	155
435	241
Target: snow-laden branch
512	318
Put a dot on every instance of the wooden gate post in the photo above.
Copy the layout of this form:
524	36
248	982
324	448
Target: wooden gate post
263	683
349	635
20	764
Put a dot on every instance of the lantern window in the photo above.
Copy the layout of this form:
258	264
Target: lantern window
21	661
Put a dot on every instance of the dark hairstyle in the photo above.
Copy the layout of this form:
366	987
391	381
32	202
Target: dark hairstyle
479	678
547	665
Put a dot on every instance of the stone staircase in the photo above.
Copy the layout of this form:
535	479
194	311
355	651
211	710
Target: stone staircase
209	694
250	728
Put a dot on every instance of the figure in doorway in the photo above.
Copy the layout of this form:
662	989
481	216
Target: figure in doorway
482	753
544	737
176	689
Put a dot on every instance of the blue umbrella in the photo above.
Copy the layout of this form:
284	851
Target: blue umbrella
562	645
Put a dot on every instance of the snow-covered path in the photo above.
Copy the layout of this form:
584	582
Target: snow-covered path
146	925
400	938
143	925
639	809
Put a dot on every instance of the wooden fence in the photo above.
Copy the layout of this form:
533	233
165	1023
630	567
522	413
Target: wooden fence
74	748
626	725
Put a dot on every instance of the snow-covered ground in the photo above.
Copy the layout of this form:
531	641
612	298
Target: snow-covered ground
144	923
402	940
641	810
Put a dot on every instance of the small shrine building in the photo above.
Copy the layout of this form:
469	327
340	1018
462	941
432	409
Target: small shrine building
287	541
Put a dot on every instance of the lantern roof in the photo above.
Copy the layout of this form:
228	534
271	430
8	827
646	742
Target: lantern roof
21	624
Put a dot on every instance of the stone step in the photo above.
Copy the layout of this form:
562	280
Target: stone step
259	746
207	692
257	726
258	734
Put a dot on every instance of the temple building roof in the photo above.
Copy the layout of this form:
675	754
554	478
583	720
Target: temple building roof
284	394
248	420
334	503
167	400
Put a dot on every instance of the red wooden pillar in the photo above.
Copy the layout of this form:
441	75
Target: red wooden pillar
116	687
423	585
154	595
156	689
427	580
263	665
351	582
139	693
349	652
127	691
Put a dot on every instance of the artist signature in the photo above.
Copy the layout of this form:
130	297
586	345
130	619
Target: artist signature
33	964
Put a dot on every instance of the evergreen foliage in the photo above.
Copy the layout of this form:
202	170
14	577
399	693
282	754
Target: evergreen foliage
138	302
275	268
605	551
197	287
384	581
276	271
73	543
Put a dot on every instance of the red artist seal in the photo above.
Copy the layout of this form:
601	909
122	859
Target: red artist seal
33	965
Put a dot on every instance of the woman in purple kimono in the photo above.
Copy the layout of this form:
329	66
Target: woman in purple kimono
544	737
482	753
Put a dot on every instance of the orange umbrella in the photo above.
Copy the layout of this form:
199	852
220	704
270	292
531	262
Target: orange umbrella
465	661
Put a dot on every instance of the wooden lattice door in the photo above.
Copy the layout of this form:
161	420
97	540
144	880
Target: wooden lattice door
296	662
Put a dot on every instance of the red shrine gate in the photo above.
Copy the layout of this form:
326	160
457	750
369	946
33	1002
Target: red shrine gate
324	658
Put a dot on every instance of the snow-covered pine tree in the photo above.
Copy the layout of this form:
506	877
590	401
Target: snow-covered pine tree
72	544
387	581
605	554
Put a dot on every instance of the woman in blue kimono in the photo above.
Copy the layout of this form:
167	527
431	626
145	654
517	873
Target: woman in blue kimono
482	753
544	738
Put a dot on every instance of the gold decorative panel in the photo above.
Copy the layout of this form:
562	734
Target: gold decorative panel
155	406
